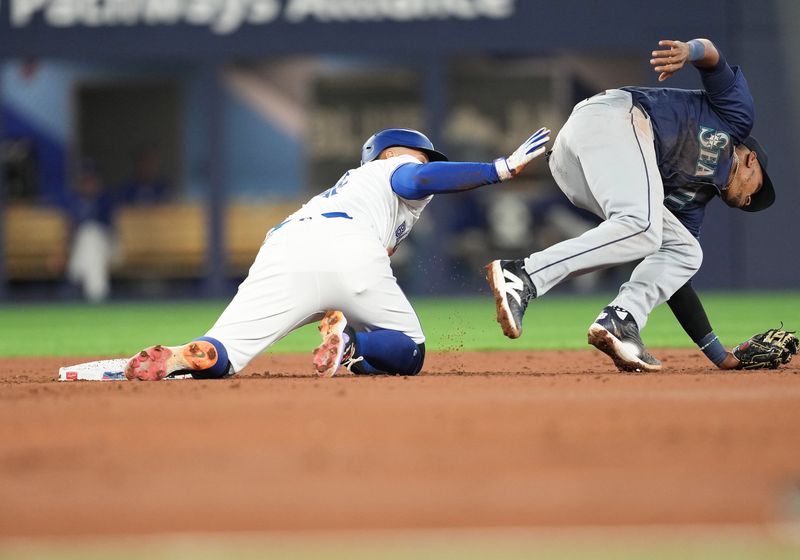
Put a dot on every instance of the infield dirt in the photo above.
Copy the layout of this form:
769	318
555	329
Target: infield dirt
500	439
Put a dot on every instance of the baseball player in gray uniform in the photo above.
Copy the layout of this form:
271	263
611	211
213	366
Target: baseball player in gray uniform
330	261
647	161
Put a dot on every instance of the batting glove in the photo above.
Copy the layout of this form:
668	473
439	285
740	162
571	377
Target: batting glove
511	166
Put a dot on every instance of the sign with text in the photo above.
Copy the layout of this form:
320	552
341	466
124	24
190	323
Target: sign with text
228	16
223	28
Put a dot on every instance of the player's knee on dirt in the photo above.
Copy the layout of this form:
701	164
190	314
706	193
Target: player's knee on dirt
421	361
388	352
221	368
365	368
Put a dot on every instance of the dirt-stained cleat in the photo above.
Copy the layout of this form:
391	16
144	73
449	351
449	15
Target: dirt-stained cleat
616	334
513	289
157	362
337	344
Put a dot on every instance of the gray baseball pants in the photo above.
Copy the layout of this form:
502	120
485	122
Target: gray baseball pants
604	161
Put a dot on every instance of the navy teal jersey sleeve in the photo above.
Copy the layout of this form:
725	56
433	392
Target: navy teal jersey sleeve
416	181
695	134
729	95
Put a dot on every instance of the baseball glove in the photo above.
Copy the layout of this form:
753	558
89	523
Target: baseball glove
767	350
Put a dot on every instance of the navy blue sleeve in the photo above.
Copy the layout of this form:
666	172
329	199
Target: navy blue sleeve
730	96
416	181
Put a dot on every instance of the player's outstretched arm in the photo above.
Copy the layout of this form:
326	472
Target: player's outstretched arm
415	181
690	313
675	54
769	349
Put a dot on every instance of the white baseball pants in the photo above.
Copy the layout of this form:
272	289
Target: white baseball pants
305	268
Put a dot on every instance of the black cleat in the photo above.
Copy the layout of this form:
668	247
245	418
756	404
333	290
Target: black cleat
513	289
615	333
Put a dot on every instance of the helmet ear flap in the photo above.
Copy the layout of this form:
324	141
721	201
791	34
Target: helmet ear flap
368	149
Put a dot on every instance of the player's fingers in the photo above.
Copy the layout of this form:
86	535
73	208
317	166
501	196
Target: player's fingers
667	57
668	43
663	76
664	50
661	61
671	53
663	53
541	133
672	67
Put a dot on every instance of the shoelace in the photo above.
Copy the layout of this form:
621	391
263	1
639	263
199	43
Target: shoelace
348	363
526	296
524	292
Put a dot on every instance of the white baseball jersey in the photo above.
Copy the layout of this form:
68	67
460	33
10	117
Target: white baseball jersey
366	195
333	253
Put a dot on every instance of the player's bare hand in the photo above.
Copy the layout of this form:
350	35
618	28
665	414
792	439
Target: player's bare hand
730	362
511	166
670	59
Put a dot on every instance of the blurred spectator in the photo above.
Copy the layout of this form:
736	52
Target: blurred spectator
19	167
92	248
147	185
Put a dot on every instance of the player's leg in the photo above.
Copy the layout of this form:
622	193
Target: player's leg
278	296
604	161
616	330
385	351
204	357
661	274
381	332
365	352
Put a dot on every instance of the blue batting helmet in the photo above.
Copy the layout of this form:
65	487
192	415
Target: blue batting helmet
398	137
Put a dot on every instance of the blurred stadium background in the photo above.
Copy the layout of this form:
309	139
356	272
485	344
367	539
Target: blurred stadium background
205	122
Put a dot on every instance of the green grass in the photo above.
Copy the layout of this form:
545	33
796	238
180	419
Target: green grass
121	329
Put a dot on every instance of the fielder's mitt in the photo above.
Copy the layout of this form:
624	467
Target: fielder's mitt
767	350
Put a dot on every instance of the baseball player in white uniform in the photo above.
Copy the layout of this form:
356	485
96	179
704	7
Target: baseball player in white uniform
330	261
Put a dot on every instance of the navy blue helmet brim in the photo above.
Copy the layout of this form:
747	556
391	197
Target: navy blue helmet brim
765	196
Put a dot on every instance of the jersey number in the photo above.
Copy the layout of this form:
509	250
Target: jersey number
335	188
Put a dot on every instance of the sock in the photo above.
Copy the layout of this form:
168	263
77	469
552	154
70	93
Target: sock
387	351
219	369
713	348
